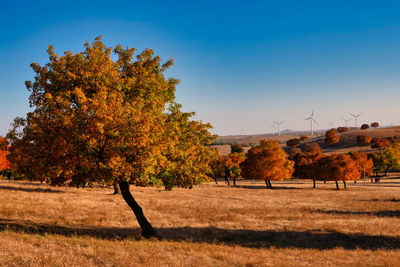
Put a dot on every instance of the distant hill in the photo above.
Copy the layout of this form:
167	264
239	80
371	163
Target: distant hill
348	140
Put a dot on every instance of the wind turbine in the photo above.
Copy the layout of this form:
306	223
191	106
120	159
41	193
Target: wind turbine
311	118
346	121
278	124
356	116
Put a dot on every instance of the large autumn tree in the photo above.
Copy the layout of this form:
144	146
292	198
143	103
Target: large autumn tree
267	162
104	115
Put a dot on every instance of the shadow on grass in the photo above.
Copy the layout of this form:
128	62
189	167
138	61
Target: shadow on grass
245	238
384	213
37	189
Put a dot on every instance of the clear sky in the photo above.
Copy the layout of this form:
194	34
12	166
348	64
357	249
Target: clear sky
241	64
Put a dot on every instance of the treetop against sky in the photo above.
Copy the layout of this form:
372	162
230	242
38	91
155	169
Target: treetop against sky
241	64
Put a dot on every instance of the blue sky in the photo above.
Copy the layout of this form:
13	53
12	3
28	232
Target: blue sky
241	64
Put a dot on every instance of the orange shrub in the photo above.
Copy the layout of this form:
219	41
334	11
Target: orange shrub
363	139
379	142
364	127
293	142
331	137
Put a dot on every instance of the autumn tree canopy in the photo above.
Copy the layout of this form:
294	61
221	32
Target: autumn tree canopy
236	148
4	164
379	142
331	137
338	167
364	126
104	115
375	124
364	164
306	163
267	162
363	139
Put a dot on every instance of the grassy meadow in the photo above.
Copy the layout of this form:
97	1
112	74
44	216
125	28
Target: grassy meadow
209	225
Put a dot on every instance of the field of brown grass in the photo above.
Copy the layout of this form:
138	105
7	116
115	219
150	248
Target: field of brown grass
209	225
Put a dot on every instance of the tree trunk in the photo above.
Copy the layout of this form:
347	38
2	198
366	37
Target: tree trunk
215	179
227	180
266	183
147	230
337	185
234	181
270	185
117	191
313	183
344	184
387	169
324	181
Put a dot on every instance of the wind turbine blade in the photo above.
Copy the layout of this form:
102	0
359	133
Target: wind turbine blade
307	119
281	122
312	113
352	114
360	114
315	121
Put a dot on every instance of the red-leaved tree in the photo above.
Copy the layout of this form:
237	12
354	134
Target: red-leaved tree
338	167
267	162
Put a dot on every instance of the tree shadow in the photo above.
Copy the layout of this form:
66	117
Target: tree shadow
384	213
235	237
40	190
264	187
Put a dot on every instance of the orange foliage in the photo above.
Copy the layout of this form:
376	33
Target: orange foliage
338	167
331	137
4	163
375	124
363	139
267	162
364	164
378	142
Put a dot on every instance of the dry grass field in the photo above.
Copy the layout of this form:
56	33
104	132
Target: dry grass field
209	225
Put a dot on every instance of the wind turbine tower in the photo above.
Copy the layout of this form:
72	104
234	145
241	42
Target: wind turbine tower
356	116
346	121
278	124
311	119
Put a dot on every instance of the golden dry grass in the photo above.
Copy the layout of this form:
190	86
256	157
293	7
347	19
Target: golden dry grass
210	225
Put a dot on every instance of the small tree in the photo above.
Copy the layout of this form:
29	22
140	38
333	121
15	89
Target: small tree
293	142
227	167
236	148
313	148
342	129
363	139
380	143
364	126
375	125
267	162
385	160
338	167
305	166
331	137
